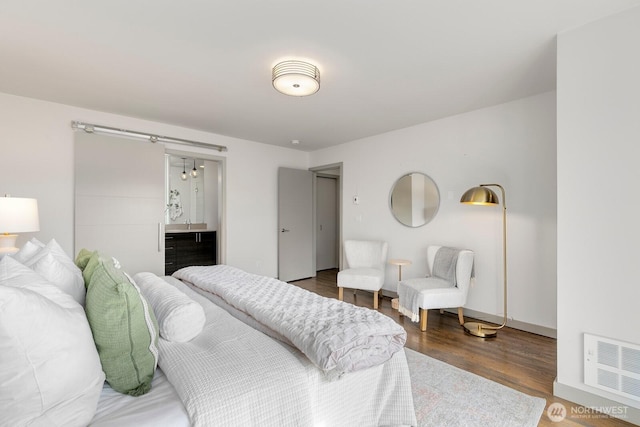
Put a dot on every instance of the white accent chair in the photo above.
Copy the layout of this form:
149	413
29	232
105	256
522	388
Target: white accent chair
366	262
437	292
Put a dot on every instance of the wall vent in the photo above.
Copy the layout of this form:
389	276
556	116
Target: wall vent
612	365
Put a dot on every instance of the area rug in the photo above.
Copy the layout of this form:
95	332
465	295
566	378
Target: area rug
445	396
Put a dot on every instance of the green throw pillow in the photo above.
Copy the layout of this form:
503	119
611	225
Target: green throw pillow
83	258
123	325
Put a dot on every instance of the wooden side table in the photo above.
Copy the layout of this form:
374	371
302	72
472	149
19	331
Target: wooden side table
399	263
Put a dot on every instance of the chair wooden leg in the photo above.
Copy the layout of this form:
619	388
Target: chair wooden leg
423	319
375	300
460	315
340	293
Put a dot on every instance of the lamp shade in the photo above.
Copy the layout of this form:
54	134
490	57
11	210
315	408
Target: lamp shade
18	215
479	196
296	78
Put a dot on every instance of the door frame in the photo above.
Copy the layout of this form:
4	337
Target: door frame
221	230
322	171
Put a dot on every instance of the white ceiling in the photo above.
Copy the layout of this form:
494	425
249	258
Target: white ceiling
206	64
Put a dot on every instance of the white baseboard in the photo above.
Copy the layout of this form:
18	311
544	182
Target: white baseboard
594	403
516	324
491	318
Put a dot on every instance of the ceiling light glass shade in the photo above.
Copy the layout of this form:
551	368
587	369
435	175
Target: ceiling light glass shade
296	78
479	196
194	171
184	175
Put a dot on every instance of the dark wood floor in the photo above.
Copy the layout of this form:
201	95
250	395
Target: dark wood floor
517	359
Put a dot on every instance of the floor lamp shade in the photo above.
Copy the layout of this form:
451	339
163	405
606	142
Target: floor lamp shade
484	196
479	196
17	215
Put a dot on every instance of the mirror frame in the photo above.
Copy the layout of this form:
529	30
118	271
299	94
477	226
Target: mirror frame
427	179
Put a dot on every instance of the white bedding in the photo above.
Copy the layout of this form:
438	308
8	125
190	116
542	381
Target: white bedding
338	337
234	375
274	384
160	407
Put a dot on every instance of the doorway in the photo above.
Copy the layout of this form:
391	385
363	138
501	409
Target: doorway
203	196
302	246
327	216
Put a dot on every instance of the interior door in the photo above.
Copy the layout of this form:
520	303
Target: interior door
119	200
326	223
295	224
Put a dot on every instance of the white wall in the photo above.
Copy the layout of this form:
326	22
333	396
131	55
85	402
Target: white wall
36	145
512	144
598	177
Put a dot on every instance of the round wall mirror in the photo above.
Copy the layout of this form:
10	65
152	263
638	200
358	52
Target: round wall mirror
414	199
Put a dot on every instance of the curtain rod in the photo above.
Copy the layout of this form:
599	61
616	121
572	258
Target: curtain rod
91	128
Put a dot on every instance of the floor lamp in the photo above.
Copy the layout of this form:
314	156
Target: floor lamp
484	196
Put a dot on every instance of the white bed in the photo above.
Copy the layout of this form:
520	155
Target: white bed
247	363
160	407
238	355
228	373
337	337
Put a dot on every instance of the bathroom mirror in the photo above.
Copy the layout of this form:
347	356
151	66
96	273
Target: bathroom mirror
414	199
186	190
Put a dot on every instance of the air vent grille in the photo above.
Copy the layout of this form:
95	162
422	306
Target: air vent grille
631	386
608	379
631	360
608	354
612	365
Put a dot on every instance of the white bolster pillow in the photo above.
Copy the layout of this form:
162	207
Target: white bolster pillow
180	319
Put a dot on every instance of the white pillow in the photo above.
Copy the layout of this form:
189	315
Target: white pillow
62	256
54	271
180	319
50	372
31	248
54	264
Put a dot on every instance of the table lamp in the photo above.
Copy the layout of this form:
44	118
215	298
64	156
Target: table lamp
17	215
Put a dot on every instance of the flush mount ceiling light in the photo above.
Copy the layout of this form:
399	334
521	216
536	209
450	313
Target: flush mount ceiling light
296	78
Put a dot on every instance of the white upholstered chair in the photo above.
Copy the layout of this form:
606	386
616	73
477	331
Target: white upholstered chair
446	287
366	261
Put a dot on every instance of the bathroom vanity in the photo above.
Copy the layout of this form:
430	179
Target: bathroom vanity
185	248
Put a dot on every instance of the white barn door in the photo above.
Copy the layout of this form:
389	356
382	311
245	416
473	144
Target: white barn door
119	200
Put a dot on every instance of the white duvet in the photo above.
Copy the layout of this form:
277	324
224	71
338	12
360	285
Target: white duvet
230	375
233	375
337	337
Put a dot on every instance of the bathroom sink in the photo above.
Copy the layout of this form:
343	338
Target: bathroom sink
185	227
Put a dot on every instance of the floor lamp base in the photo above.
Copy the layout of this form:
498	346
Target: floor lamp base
479	330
